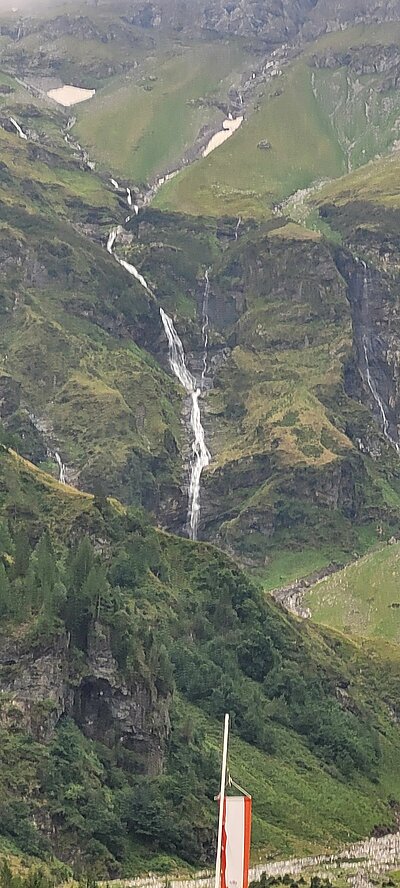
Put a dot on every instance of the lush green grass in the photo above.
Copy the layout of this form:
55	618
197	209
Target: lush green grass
362	599
240	177
316	126
287	566
140	128
376	183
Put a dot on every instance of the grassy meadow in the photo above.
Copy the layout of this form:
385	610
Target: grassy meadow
140	125
363	598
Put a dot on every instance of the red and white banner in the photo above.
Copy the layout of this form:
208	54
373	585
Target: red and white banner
236	833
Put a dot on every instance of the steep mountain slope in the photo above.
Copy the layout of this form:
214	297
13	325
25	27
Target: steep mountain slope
73	377
119	656
82	362
281	409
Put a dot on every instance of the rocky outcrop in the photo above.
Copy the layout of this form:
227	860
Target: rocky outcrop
113	710
274	21
365	60
35	684
40	684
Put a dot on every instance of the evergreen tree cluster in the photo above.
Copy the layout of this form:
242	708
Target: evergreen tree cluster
202	634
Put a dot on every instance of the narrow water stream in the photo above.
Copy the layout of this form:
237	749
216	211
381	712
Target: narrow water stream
177	359
61	467
20	132
370	382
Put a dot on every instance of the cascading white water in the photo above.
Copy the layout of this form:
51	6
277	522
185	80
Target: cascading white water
201	456
61	466
20	132
129	197
115	184
177	355
368	376
112	237
134	272
238	224
204	328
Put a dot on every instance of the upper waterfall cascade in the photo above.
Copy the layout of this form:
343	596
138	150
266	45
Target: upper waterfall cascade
204	327
131	269
367	280
61	466
20	132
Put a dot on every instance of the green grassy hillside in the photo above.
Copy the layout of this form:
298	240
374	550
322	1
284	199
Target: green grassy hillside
320	761
316	122
240	177
146	125
70	321
85	363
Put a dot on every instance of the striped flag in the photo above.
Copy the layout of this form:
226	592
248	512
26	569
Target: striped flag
235	850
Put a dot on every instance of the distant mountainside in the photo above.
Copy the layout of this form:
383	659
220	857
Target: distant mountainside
272	20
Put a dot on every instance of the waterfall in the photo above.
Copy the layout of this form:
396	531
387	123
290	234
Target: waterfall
112	237
134	272
238	224
200	454
204	328
368	376
115	184
20	132
129	197
61	467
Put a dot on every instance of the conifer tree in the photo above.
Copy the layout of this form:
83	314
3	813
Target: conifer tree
81	563
22	553
45	572
6	595
6	544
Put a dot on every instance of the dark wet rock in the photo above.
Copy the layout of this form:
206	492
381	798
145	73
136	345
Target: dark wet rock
42	685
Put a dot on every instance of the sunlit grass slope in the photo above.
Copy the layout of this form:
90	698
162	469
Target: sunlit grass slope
319	122
141	125
364	598
240	176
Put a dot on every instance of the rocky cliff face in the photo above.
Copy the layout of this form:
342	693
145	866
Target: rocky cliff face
372	377
273	20
41	683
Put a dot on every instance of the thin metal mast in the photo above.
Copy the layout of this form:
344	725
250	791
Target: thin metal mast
221	801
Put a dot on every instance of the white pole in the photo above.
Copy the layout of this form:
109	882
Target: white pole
221	801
